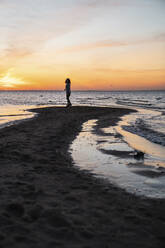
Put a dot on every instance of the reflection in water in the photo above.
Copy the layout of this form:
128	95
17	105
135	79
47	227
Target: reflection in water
110	157
10	114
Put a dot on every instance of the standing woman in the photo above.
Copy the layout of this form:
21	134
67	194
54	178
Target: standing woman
68	91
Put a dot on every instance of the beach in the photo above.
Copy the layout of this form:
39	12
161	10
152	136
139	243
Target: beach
47	202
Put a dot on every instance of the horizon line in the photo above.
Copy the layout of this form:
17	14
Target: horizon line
87	90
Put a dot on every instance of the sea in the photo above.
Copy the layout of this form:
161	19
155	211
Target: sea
142	131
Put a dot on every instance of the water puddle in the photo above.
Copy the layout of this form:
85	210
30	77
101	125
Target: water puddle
113	157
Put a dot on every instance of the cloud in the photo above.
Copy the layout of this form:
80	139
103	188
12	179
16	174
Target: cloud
159	70
17	52
114	3
112	43
117	3
89	46
27	25
159	37
30	24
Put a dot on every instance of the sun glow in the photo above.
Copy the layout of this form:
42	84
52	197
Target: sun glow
10	82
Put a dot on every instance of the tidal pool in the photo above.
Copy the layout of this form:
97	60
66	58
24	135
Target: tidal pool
112	156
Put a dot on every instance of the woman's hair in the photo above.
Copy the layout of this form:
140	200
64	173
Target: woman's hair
67	81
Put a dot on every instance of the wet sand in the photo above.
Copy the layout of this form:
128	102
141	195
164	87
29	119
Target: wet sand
47	202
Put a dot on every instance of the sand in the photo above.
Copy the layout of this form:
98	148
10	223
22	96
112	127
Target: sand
46	202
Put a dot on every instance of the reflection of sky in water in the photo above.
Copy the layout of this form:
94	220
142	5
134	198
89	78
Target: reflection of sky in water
143	177
10	114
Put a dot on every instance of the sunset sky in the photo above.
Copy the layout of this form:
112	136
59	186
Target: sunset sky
98	44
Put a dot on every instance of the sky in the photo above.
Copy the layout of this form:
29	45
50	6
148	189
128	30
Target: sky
98	44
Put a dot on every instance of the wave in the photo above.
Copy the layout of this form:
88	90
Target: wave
132	100
104	98
134	103
140	128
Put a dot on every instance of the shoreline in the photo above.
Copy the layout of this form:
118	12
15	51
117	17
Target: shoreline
47	202
12	115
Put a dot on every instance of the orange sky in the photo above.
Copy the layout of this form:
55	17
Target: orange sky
99	45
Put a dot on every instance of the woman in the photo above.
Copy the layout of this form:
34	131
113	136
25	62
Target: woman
68	91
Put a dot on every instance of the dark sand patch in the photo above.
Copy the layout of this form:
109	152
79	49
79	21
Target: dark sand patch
138	165
149	173
46	202
120	154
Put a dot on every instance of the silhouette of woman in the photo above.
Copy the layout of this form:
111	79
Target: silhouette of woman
68	91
